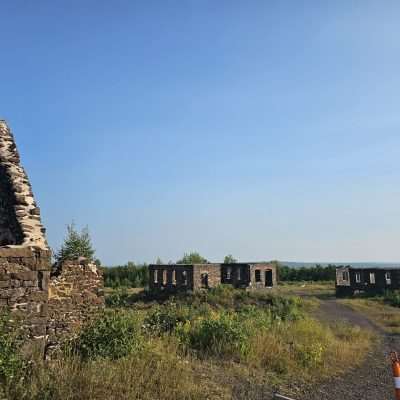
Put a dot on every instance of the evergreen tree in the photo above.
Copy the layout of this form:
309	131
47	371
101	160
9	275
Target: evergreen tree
76	244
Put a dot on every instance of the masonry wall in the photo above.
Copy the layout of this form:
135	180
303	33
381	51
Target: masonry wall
10	229
263	269
20	222
75	296
213	272
24	277
170	278
44	306
236	274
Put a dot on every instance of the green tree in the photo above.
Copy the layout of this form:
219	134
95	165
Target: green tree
192	258
229	259
76	244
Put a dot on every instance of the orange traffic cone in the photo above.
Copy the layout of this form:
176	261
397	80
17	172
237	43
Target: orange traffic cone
396	373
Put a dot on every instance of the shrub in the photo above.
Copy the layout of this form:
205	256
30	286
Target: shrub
285	308
114	335
392	298
222	335
119	298
222	295
254	318
165	319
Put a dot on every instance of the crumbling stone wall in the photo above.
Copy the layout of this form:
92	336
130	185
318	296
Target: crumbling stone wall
24	277
262	275
168	277
24	253
48	308
20	222
171	278
206	276
75	296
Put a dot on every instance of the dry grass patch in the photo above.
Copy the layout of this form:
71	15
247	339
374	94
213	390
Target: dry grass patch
158	374
308	349
383	315
318	289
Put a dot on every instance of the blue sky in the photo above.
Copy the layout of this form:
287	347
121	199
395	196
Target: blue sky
265	129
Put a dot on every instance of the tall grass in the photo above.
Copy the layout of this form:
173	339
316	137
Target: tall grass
148	375
194	347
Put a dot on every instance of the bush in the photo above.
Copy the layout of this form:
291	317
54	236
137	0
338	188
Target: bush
114	335
119	298
392	298
222	335
165	319
222	295
285	308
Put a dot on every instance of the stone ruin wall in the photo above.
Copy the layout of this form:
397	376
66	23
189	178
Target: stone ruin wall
20	222
75	295
24	277
48	305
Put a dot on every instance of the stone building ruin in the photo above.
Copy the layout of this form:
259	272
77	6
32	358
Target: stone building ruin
50	304
192	277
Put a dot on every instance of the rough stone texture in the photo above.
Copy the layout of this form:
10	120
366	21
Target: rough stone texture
24	277
75	295
175	277
46	316
213	273
24	253
20	222
267	271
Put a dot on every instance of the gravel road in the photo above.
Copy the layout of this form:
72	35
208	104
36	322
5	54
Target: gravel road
372	381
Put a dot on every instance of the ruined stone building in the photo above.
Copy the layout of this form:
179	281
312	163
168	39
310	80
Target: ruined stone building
49	303
351	280
185	277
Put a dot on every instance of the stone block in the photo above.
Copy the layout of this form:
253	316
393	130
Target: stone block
5	284
24	276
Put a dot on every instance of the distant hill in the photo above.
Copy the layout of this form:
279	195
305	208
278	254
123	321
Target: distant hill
294	264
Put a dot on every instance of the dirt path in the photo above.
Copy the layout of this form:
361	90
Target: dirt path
371	381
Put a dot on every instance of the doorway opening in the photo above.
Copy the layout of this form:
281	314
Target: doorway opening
269	282
204	280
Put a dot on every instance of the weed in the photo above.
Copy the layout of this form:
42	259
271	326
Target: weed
114	334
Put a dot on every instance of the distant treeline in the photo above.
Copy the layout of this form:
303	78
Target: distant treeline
317	273
129	275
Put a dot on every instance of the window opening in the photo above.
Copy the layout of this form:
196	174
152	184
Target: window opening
372	278
258	275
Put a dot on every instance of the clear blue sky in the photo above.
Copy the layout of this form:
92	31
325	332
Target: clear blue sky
265	129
